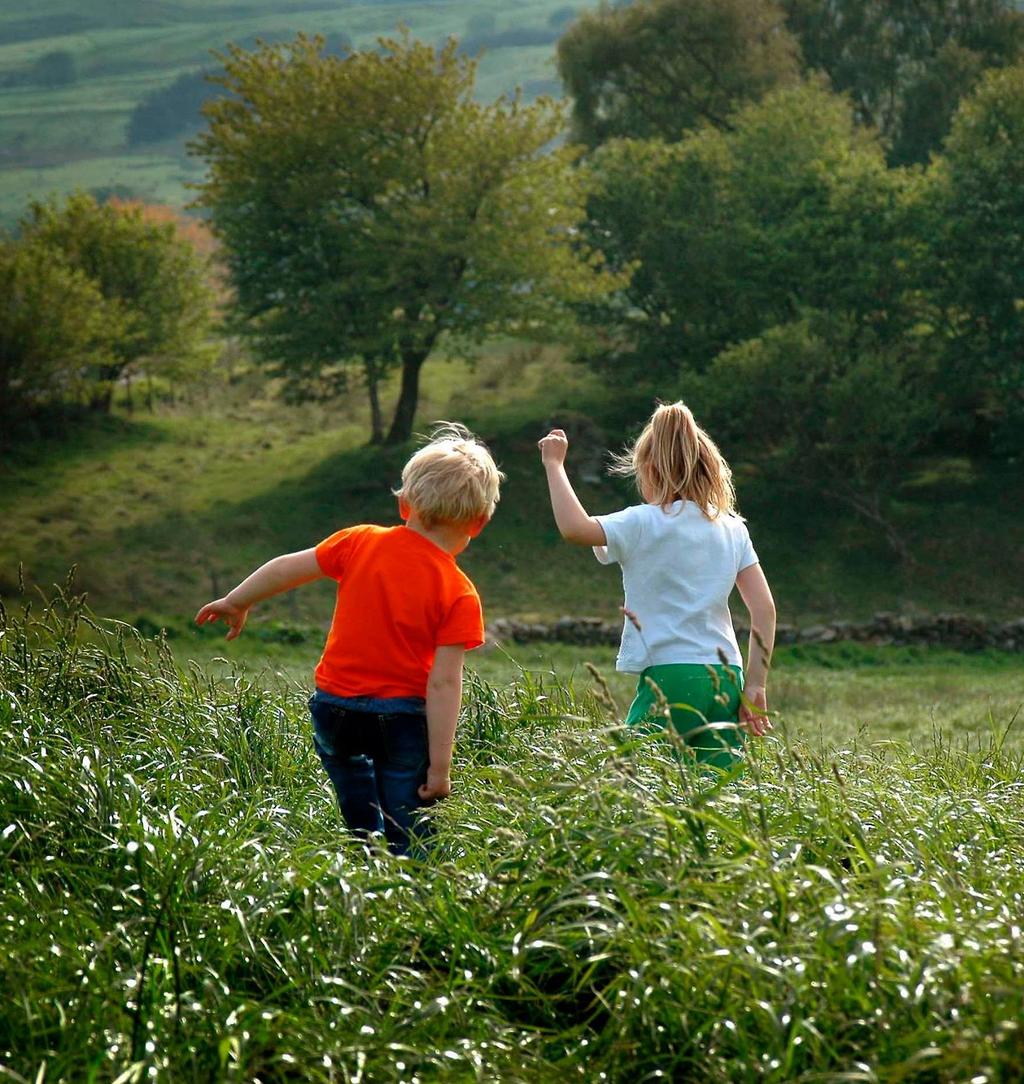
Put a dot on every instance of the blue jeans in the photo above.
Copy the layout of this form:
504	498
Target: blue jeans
377	763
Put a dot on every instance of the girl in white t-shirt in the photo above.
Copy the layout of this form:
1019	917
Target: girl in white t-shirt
681	552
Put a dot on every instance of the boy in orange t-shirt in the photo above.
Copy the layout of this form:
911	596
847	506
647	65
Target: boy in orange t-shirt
389	682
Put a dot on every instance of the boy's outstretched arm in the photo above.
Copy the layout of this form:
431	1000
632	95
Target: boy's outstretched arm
571	517
757	597
281	574
444	699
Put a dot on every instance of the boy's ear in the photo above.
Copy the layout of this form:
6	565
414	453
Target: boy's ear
474	528
404	510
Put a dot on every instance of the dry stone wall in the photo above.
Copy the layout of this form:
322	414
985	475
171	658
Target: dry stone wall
941	630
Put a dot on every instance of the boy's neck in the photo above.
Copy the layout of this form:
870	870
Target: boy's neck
451	538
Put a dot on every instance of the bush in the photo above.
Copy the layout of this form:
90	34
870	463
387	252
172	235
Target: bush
151	278
825	408
55	325
172	110
56	69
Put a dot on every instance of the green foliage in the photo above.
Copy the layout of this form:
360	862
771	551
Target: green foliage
155	281
976	200
906	64
661	67
738	231
55	326
369	206
739	237
828	405
178	900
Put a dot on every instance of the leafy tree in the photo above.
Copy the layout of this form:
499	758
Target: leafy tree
54	326
823	405
906	63
154	280
977	207
734	232
369	206
661	67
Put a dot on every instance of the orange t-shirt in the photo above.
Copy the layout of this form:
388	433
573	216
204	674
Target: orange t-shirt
400	597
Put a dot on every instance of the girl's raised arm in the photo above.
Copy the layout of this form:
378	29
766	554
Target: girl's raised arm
574	524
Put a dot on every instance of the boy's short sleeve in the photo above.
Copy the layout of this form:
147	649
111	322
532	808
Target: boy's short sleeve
746	555
332	554
463	624
622	532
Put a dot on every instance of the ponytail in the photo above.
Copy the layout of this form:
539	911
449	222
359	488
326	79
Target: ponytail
673	459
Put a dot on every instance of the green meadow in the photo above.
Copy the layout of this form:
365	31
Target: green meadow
179	902
161	510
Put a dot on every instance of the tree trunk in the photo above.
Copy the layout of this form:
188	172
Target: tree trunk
405	410
373	391
101	396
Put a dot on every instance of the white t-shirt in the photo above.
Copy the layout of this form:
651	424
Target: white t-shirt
678	570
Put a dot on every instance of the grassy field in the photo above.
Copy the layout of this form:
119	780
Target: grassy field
179	903
162	511
55	139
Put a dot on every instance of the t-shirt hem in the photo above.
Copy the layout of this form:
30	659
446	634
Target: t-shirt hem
455	640
383	692
633	666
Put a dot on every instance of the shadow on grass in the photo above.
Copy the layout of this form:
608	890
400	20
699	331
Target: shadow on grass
823	561
54	441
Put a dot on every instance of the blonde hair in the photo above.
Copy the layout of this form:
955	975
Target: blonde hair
452	479
674	459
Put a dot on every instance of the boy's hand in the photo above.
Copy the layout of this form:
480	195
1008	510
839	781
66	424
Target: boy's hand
553	447
437	786
754	711
222	610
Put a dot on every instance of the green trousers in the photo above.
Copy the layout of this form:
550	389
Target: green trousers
703	703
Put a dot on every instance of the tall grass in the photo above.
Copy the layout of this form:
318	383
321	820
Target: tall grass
179	902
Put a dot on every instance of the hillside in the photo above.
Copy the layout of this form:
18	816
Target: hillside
160	511
70	78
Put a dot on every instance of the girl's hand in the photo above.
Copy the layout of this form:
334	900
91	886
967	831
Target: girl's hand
754	711
553	448
222	610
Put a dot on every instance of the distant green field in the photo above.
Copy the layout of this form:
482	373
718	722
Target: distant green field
55	139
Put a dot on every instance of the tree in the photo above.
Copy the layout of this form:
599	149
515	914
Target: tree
977	206
826	406
904	63
661	67
735	232
154	280
369	206
56	69
54	327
